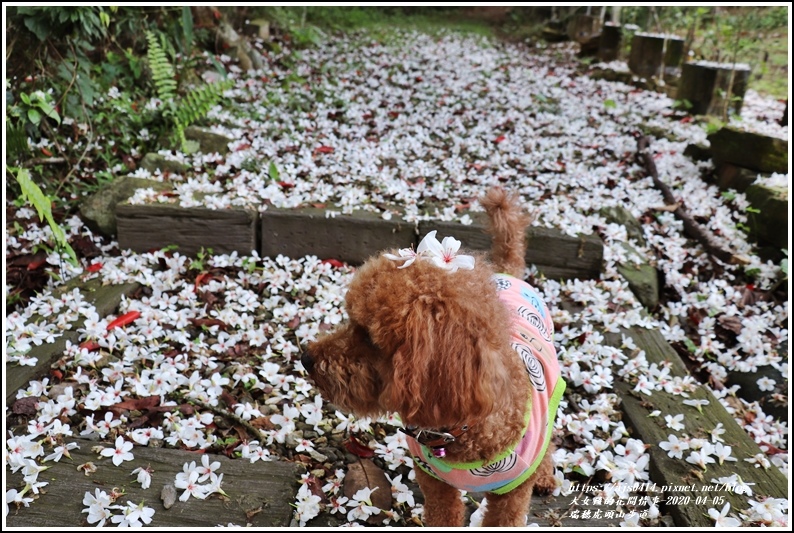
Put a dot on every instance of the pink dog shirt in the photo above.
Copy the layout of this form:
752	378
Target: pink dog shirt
532	330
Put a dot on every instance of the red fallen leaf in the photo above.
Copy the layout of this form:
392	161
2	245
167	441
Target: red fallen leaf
324	150
318	206
315	486
89	345
285	184
200	280
46	152
57	374
244	146
37	263
336	263
294	323
418	78
94	267
393	114
499	139
771	450
686	120
123	320
356	448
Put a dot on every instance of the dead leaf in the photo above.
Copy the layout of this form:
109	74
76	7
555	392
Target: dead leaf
25	406
365	474
263	422
731	323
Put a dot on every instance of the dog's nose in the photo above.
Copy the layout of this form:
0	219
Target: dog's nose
307	361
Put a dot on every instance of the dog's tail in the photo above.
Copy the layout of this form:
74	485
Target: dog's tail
507	224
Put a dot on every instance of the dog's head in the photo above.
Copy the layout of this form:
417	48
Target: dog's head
421	341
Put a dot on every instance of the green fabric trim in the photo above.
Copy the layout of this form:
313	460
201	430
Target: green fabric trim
554	402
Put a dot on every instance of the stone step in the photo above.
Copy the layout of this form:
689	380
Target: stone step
750	150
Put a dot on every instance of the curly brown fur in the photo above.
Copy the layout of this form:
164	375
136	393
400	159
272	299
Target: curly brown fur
433	346
507	223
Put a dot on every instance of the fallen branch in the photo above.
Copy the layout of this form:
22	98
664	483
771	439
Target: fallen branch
691	227
43	161
231	416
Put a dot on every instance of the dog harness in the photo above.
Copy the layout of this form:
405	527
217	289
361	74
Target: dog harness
532	330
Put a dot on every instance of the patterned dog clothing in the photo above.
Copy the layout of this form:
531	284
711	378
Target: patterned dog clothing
532	330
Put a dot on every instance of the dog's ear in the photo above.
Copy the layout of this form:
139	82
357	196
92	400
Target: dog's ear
445	372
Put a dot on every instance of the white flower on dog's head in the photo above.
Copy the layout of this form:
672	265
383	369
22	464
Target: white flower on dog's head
443	254
406	254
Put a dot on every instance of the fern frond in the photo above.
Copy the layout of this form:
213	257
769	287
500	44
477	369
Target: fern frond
196	104
162	70
16	140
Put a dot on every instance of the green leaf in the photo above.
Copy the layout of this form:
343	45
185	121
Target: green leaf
690	345
35	197
610	104
187	26
273	171
190	146
49	110
34	116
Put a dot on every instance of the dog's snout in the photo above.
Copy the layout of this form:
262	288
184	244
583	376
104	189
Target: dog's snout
307	361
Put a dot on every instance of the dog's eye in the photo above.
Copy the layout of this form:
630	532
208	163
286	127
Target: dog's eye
362	331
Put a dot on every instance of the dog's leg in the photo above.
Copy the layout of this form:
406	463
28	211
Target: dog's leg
443	506
509	509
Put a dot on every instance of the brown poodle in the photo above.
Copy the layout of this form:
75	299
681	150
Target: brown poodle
461	349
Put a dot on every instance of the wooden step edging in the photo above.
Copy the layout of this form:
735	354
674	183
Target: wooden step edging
351	238
105	298
142	228
687	497
259	494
